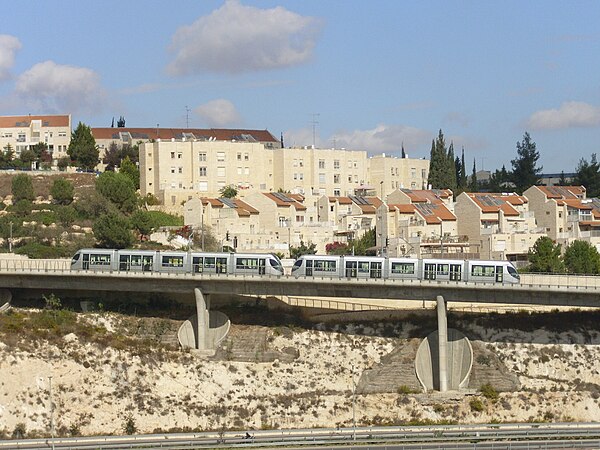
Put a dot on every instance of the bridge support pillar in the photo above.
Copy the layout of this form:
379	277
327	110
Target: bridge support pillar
202	307
442	343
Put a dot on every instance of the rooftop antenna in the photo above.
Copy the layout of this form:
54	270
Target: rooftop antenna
187	116
314	123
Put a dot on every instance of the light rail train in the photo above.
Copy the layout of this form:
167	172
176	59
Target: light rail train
131	260
309	266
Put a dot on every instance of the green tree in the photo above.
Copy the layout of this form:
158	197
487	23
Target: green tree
129	169
365	244
544	256
62	191
452	173
588	175
302	249
82	148
442	172
27	157
119	189
113	231
463	172
473	184
143	222
63	163
525	171
229	191
583	258
22	188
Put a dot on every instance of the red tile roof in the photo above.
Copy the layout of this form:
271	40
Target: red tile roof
178	133
427	195
562	192
25	121
492	203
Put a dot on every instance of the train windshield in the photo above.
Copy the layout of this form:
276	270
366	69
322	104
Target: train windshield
276	264
297	265
75	258
512	271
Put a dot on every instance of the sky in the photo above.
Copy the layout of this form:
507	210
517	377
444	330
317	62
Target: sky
355	74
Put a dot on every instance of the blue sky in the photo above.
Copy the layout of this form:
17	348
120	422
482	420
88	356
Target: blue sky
366	75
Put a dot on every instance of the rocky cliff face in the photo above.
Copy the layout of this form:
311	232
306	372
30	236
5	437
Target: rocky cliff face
110	370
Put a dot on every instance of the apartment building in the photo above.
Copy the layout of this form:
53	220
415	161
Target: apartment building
565	214
316	171
176	171
24	132
349	217
420	223
498	226
387	173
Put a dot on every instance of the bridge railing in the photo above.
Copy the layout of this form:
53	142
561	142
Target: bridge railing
565	280
35	265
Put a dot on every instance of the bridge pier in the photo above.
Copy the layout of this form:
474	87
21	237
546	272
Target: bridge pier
442	343
202	313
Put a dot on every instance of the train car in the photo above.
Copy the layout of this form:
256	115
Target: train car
308	266
131	260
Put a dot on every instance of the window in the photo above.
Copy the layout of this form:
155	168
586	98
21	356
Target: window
180	170
203	186
246	157
220	171
300	219
301	163
201	156
413	172
179	155
100	260
239	156
295	163
239	170
202	171
482	271
349	178
336	163
336	192
349	164
172	261
403	268
325	266
246	263
246	170
321	164
62	133
301	176
336	178
443	269
321	178
220	156
172	155
172	169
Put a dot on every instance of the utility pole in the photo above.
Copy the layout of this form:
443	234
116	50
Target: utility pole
314	123
10	225
187	116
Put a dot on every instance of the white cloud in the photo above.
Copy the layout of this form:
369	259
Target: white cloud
569	115
237	38
384	138
8	47
53	88
218	113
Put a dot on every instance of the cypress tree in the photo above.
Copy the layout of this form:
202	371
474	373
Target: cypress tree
463	171
452	176
473	180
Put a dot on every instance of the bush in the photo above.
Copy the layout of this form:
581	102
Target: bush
39	251
489	392
476	405
62	191
22	188
129	426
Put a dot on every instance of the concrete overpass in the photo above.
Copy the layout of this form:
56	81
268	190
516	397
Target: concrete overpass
549	290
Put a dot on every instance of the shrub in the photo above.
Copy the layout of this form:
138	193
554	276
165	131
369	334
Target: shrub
476	405
129	426
489	392
22	188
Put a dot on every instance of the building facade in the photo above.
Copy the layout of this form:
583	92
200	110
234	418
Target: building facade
24	132
387	173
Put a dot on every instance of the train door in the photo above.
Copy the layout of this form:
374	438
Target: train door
197	264
124	262
85	261
375	269
147	263
455	272
261	266
309	268
222	265
499	274
430	271
351	269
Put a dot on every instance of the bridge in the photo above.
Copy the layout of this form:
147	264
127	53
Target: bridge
206	330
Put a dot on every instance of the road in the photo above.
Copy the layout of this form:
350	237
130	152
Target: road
491	436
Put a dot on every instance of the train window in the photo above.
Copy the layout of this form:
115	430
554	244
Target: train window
297	264
363	266
276	264
512	271
483	271
197	263
403	268
76	257
136	260
209	262
246	263
100	260
325	266
172	261
443	269
221	265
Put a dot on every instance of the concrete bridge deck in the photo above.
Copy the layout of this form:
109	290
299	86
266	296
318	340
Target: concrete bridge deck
551	290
